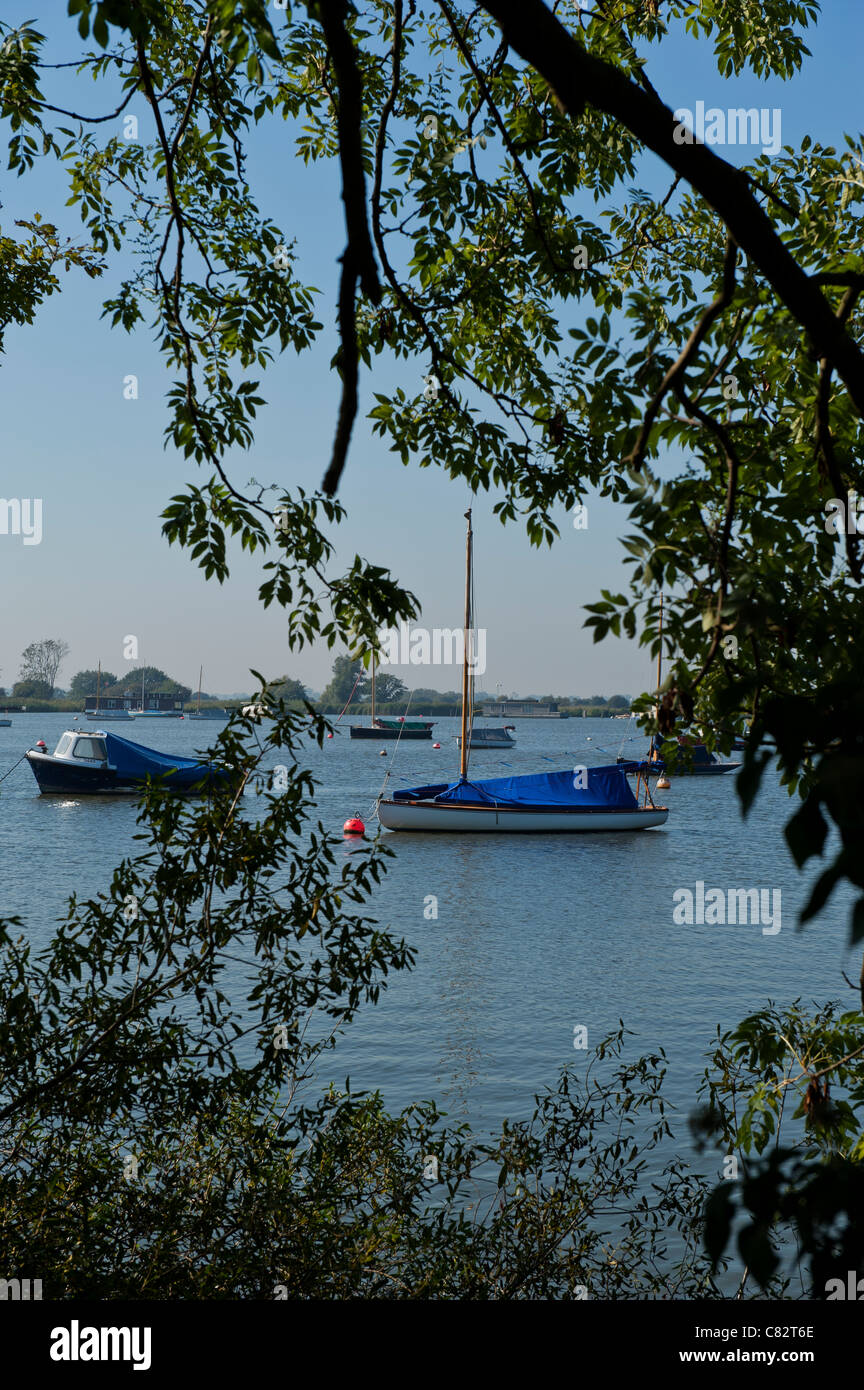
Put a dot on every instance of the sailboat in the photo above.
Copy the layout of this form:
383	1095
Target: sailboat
379	727
145	713
589	799
200	713
98	713
663	751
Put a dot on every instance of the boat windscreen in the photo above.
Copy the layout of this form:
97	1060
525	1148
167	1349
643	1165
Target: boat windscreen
90	748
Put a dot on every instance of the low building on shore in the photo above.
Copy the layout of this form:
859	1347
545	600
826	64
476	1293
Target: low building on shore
522	709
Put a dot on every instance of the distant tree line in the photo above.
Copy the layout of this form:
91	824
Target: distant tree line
350	681
154	679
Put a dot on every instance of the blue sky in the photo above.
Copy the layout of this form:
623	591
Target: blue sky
103	571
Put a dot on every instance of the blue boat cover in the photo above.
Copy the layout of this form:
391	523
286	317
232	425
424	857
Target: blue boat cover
133	760
607	787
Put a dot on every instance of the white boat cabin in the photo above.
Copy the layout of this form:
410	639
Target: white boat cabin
89	748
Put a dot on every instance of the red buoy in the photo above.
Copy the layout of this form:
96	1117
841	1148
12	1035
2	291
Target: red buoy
354	826
329	735
436	745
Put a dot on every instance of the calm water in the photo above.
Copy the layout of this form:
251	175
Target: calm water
533	935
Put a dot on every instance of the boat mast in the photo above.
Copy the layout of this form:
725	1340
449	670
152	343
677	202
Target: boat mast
98	684
463	762
654	748
373	687
660	655
200	675
142	689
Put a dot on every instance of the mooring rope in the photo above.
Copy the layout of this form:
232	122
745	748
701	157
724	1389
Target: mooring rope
351	696
374	808
13	767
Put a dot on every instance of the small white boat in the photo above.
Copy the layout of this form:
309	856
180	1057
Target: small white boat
489	738
99	714
156	713
254	712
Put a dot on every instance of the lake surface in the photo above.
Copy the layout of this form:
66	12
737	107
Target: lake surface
534	936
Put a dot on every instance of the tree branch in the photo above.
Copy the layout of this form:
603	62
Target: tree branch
676	372
733	469
577	77
358	260
825	439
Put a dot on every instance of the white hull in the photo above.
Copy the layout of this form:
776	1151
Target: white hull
156	713
415	815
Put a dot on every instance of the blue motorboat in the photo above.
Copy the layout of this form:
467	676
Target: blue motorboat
95	762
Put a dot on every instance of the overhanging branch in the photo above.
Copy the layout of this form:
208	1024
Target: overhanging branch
578	78
358	261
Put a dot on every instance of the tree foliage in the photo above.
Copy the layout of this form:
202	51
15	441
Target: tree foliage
32	689
42	660
285	688
153	680
87	682
785	1094
348	678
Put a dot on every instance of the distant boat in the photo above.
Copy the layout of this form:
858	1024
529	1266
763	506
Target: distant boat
144	713
100	714
254	711
98	762
703	764
575	800
489	738
394	727
700	763
5	723
200	713
156	713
